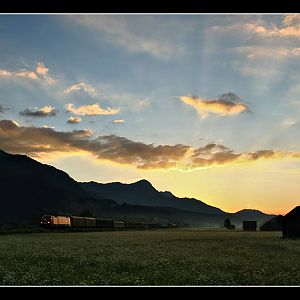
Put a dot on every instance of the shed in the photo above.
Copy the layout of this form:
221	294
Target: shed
273	224
249	225
291	224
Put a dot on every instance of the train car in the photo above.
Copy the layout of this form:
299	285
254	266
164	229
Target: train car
77	221
55	221
90	222
104	223
133	224
119	224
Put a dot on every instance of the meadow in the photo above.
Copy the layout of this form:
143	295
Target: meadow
149	257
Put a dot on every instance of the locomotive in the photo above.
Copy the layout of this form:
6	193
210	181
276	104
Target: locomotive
50	221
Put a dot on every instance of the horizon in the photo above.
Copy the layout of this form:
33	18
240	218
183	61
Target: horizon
203	106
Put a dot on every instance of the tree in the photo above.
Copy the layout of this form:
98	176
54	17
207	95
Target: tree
227	223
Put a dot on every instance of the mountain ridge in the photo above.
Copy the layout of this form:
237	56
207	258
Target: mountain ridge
29	189
142	192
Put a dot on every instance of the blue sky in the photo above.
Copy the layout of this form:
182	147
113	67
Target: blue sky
193	80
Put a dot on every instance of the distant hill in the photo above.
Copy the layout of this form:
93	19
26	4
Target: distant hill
143	193
253	215
29	189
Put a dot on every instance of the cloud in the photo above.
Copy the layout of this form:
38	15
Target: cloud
290	27
119	121
270	52
37	141
22	74
288	122
73	120
226	105
46	111
3	108
262	47
157	41
81	87
91	110
39	74
41	69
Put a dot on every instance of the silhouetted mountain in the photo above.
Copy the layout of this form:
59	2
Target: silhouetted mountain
253	215
29	189
143	193
167	194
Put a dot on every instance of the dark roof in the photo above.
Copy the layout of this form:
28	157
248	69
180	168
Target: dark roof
294	213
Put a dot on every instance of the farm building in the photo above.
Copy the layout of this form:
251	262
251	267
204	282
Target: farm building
273	224
291	223
249	225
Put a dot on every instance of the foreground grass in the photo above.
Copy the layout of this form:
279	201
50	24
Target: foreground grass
159	257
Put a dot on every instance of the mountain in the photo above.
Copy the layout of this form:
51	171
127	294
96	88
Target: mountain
253	215
143	193
29	189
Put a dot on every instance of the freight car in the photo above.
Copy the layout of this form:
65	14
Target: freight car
50	221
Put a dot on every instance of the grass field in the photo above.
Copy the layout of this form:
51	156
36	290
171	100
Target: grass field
158	257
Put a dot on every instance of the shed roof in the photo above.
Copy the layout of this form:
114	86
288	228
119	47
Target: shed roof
294	213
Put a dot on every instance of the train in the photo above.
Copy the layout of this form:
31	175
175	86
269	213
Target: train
51	221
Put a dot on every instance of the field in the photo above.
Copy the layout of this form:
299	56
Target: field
154	257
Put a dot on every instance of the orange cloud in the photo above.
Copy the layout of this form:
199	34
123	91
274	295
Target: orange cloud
38	141
41	69
91	110
290	27
39	74
22	73
222	106
119	121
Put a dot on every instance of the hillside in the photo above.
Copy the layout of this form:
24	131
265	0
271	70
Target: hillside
29	189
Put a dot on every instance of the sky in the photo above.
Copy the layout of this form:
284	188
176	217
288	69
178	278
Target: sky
202	105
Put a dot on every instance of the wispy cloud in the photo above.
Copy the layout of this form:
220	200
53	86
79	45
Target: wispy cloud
270	52
74	120
290	27
288	122
262	46
40	73
46	111
3	108
91	110
119	121
226	105
79	87
21	74
120	31
38	141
